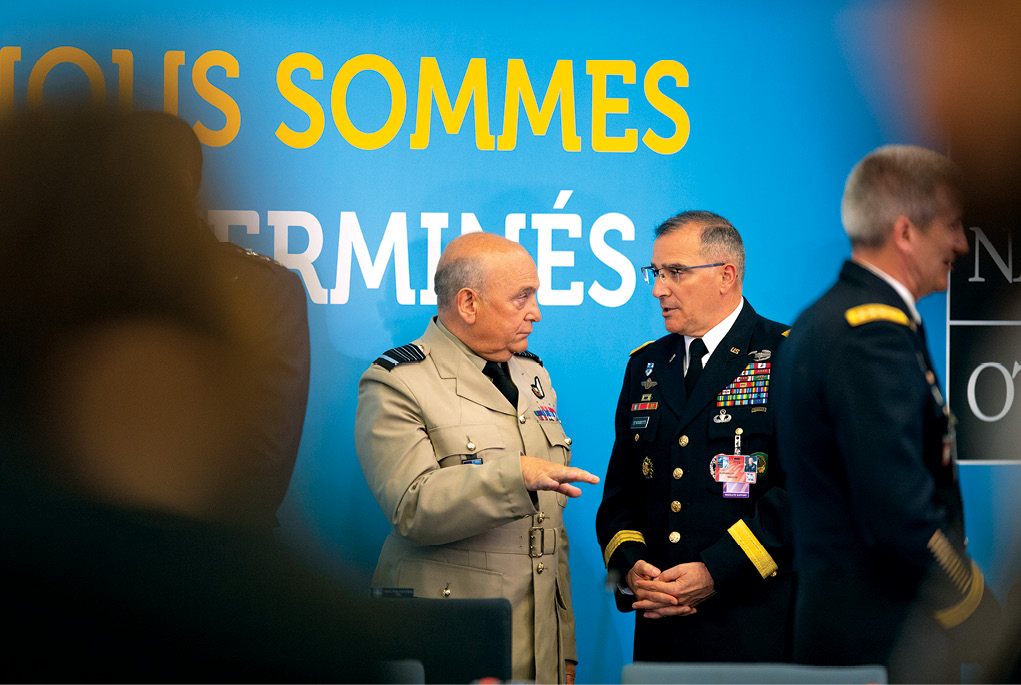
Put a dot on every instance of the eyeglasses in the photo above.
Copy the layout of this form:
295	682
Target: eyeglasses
672	273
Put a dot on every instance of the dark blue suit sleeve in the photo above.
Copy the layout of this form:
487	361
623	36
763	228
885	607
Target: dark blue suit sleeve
620	523
884	444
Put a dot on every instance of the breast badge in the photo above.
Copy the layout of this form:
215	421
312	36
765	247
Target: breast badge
648	383
537	388
647	468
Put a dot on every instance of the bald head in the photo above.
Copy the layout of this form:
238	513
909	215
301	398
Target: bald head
466	262
485	294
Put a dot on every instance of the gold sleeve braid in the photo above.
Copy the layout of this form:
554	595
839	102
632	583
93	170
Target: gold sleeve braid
617	540
751	546
967	578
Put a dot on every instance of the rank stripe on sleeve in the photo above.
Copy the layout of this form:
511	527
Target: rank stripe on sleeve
970	584
959	613
751	546
619	539
948	559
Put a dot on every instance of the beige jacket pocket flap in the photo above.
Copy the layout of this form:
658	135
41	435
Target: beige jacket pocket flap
438	580
466	441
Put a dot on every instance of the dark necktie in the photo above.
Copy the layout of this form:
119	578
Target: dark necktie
502	381
695	352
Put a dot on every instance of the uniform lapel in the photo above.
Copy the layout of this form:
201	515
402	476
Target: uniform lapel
669	373
529	387
469	381
727	361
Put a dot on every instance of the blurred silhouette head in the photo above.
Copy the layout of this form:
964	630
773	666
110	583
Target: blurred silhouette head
170	141
902	210
119	356
966	63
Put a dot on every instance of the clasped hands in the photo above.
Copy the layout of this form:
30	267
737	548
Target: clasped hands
673	592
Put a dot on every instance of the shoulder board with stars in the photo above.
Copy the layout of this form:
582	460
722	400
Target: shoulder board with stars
640	348
528	355
405	354
867	313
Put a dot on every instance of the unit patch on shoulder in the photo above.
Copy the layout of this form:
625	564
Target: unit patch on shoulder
641	347
867	313
528	355
405	354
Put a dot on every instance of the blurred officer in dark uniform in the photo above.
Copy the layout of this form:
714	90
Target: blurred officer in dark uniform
694	521
963	54
127	384
270	299
879	533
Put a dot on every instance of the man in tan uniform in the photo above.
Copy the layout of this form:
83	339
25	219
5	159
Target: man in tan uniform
473	479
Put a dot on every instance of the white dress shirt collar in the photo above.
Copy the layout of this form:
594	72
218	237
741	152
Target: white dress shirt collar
714	336
901	289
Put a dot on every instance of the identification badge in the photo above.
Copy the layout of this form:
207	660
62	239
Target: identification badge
735	490
735	468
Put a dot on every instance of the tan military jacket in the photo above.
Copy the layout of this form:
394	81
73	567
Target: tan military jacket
463	529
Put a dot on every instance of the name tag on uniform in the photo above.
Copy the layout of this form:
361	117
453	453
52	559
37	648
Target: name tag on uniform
476	461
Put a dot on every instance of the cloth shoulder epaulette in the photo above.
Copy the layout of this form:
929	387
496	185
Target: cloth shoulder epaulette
528	355
867	313
405	354
640	347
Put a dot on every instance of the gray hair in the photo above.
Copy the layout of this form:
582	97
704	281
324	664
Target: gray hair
893	181
453	275
718	242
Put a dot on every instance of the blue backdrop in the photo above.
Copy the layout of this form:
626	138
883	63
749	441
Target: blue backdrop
351	141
